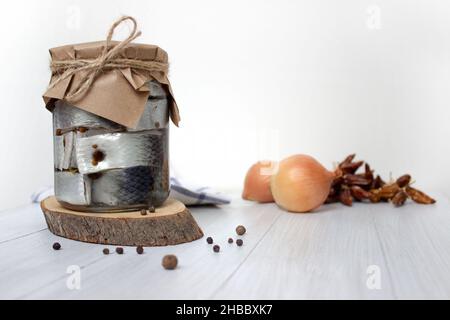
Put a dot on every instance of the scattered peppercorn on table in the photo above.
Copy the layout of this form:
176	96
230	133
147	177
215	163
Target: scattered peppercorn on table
368	251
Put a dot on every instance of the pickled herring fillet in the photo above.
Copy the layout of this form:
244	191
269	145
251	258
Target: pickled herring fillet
127	186
156	90
64	151
65	148
66	117
120	150
58	152
73	188
156	112
155	116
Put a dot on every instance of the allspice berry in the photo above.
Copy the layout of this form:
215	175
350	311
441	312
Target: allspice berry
140	249
239	242
240	230
216	248
143	212
106	251
170	262
119	250
230	240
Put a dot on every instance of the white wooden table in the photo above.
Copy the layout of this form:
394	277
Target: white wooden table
285	256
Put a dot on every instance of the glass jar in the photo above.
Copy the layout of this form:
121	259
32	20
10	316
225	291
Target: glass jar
102	166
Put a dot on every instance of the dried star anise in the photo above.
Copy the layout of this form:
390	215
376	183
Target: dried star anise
404	180
351	167
345	196
418	196
377	183
359	193
399	198
356	180
349	186
388	191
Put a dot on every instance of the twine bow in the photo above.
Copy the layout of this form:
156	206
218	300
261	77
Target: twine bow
107	60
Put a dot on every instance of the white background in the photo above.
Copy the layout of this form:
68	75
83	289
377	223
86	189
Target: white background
253	79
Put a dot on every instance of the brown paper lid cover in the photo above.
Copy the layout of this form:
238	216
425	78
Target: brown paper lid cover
119	95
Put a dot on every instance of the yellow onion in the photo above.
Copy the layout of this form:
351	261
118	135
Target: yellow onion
301	184
257	182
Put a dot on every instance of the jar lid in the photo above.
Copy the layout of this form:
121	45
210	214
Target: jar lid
113	76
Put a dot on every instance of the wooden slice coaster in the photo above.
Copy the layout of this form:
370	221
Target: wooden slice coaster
170	224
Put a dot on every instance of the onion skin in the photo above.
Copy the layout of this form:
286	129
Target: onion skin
301	184
257	182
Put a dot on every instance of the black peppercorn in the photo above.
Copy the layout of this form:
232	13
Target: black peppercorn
143	212
216	248
230	240
169	262
209	240
140	249
239	242
106	251
56	246
240	230
119	250
151	209
97	156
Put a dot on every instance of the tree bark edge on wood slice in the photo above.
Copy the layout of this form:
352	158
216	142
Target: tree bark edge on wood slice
171	224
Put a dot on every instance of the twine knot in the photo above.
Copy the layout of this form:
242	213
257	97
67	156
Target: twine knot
107	60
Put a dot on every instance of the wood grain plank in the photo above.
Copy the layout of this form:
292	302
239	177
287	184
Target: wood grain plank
20	222
318	255
29	263
132	276
416	242
285	256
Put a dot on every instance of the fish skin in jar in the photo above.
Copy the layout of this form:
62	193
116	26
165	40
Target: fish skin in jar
155	116
68	117
129	186
120	150
132	169
156	112
64	151
157	90
73	188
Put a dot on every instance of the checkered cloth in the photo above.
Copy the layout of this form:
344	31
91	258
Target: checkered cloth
193	195
187	193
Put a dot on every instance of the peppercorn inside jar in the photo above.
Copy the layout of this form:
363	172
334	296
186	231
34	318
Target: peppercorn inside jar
103	166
